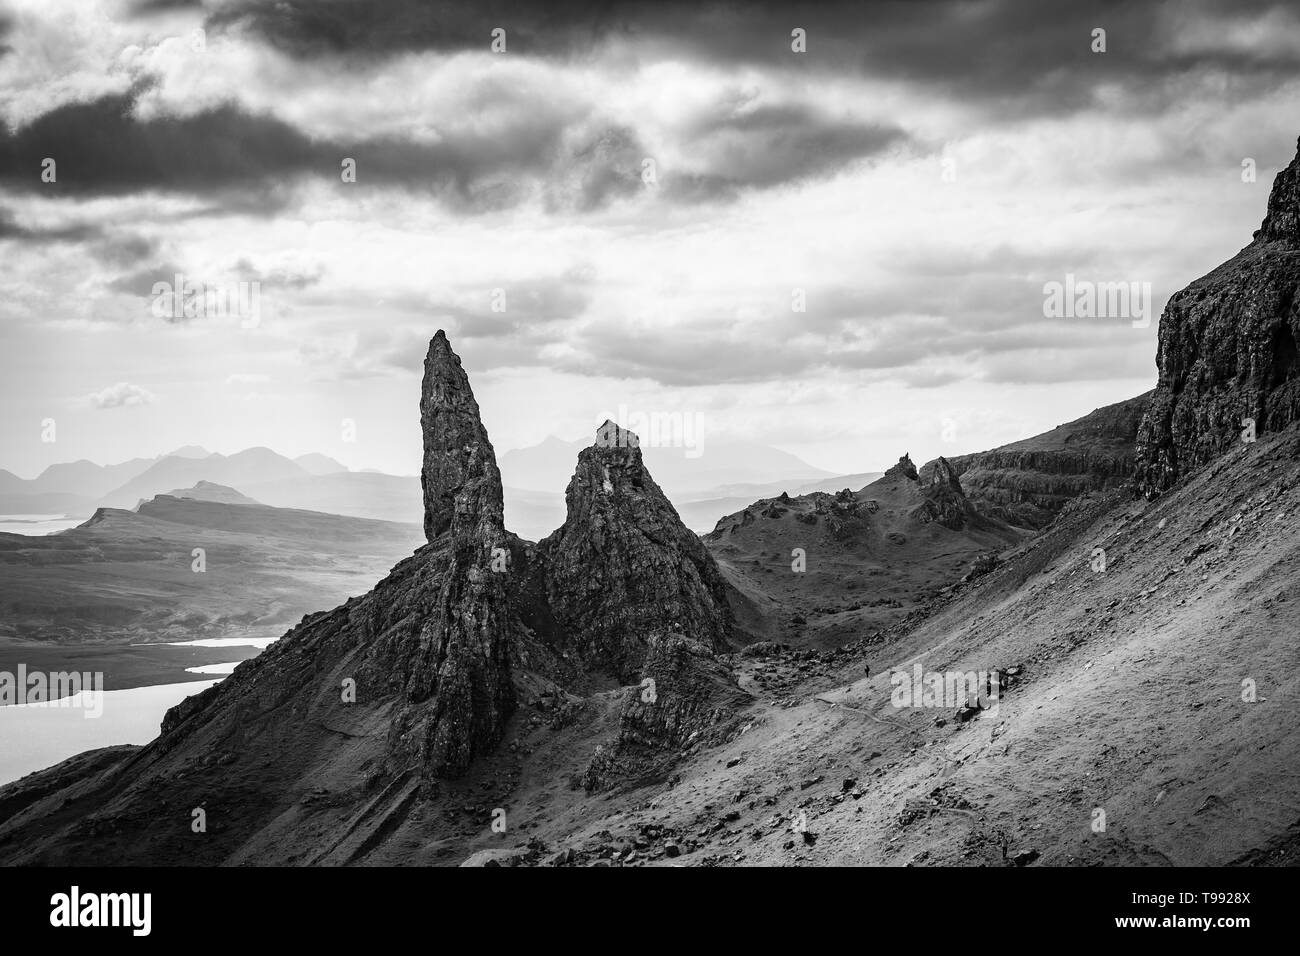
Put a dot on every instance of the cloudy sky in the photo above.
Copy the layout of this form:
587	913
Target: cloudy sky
915	175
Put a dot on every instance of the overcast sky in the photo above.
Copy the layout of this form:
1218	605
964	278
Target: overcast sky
919	173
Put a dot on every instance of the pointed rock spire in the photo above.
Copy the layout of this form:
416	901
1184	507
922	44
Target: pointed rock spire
459	476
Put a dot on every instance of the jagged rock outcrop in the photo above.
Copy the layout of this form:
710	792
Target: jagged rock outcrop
846	516
1028	482
903	469
623	569
686	696
945	502
1228	351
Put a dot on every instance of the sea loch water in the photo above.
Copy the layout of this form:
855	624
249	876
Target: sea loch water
38	737
37	524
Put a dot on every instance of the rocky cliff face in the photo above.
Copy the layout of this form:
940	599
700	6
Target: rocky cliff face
623	568
1228	351
1027	483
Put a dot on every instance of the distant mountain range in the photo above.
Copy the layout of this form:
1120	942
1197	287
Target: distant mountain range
703	484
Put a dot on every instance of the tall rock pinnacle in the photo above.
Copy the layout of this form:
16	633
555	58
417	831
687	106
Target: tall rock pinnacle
459	476
457	675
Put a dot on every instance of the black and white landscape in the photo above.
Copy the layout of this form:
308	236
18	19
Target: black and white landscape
649	435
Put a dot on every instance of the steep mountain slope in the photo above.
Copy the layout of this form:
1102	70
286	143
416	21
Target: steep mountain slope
1147	722
1128	701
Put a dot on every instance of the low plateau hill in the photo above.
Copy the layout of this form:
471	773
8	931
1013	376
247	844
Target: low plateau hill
211	491
823	569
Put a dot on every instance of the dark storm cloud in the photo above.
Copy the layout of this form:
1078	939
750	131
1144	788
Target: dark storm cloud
310	28
1034	54
249	163
102	149
146	7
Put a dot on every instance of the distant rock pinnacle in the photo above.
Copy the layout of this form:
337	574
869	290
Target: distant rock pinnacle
904	469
